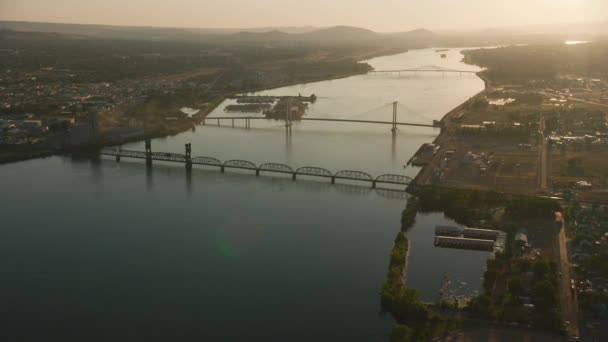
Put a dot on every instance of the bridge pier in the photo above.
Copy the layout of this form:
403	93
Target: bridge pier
148	151
218	122
293	176
188	156
333	179
204	123
257	172
373	184
222	169
232	123
118	158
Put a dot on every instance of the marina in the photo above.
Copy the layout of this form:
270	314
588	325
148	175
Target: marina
469	238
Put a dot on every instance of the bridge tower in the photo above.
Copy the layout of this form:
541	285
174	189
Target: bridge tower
188	156
148	152
394	129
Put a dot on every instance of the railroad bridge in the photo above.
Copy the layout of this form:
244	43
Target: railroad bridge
277	168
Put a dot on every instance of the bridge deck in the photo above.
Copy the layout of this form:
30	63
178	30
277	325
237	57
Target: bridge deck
324	119
268	167
422	70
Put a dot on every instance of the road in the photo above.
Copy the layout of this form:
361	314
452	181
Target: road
569	304
543	156
574	99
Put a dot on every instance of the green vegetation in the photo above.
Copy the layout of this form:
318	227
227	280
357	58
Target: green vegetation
519	290
408	216
541	61
515	289
468	207
588	226
578	118
415	321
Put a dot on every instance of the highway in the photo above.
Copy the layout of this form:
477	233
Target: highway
568	302
543	156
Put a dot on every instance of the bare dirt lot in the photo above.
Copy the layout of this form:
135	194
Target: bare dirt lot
485	163
584	163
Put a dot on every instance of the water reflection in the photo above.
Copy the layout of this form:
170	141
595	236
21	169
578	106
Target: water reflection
149	176
189	181
394	147
288	146
241	243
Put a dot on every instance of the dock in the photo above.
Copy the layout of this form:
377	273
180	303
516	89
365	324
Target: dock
464	243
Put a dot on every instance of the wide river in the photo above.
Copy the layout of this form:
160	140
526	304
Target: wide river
99	250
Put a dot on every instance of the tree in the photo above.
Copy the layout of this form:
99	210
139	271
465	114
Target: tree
401	333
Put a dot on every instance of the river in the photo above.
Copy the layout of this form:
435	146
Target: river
99	250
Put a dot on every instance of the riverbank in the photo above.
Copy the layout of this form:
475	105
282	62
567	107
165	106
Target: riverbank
427	170
172	128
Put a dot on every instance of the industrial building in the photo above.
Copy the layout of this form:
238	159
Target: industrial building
485	234
464	243
448	231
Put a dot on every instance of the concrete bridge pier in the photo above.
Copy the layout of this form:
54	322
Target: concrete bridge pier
189	157
293	176
257	172
373	184
118	154
333	179
148	152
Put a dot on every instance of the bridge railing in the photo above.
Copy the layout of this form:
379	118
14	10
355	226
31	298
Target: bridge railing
354	175
276	167
314	171
393	179
239	164
207	161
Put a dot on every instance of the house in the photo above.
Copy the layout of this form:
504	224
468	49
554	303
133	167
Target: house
521	239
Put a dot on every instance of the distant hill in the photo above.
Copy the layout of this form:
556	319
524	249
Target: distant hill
340	33
141	33
306	34
270	36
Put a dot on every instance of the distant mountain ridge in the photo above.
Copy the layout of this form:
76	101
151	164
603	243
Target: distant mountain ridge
336	34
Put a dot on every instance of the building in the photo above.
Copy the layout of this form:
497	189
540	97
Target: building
486	234
464	243
448	231
521	239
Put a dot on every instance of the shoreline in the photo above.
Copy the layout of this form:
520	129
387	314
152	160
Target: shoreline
185	126
437	141
198	119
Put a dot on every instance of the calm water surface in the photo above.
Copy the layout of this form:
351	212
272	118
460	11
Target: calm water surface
95	250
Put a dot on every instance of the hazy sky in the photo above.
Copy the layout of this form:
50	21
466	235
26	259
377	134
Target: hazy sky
379	15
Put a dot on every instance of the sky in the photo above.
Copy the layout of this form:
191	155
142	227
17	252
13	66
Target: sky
378	15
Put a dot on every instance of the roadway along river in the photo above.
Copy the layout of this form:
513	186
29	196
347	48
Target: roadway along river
93	249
